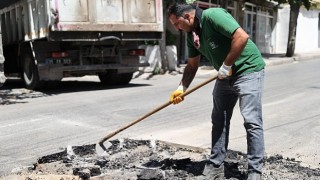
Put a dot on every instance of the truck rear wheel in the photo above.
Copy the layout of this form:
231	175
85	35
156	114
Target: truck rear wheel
114	78
30	73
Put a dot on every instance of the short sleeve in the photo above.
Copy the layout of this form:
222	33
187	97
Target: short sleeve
221	20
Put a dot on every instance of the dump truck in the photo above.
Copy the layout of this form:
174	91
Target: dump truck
47	40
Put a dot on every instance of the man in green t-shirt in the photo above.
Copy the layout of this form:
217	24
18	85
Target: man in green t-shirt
215	34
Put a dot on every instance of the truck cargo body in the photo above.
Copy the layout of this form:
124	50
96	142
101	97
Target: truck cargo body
46	40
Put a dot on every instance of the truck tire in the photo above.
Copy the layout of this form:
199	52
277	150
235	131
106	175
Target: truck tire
114	78
30	73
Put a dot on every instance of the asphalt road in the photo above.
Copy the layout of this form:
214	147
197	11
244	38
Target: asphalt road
82	111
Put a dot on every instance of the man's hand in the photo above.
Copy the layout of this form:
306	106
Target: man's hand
224	71
174	98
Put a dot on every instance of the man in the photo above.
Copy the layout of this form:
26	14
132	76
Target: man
215	34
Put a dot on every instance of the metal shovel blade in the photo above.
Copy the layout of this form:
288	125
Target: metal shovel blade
102	148
103	144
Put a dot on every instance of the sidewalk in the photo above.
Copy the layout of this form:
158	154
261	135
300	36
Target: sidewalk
270	59
276	59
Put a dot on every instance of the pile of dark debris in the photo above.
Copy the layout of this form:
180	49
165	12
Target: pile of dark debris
153	160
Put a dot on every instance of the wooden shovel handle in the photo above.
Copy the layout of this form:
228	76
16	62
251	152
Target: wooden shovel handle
153	111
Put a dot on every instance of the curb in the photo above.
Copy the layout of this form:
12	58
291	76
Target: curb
284	60
278	61
205	68
273	61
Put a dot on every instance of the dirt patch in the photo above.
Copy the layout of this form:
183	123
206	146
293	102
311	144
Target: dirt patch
152	160
18	95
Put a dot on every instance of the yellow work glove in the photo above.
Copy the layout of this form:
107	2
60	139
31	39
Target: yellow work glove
174	98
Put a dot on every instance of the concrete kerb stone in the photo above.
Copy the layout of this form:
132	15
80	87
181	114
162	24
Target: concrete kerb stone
278	61
270	61
142	75
301	57
284	60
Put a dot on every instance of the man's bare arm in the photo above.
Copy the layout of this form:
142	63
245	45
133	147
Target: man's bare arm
190	71
239	41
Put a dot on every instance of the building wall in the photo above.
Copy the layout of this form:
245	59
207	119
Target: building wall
307	30
280	32
271	35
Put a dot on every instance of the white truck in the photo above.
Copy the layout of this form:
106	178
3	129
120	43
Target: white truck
46	40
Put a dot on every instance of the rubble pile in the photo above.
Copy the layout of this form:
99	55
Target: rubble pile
150	159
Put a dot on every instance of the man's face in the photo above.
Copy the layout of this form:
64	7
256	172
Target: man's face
184	23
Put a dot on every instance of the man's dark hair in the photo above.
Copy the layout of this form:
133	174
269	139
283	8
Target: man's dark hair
178	9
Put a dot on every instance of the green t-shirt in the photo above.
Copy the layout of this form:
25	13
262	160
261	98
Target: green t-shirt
217	27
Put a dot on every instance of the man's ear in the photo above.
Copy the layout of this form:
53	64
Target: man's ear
186	16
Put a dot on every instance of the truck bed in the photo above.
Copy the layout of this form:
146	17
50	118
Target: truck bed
25	20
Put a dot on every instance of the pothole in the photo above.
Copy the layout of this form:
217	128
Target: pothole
157	160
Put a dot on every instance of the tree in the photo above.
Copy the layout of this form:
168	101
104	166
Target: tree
162	41
294	13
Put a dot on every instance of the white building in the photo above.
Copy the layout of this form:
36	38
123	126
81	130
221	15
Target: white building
268	27
271	28
308	32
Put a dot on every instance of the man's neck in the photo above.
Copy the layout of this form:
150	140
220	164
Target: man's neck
197	21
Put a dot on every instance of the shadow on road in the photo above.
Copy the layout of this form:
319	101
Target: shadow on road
80	86
14	91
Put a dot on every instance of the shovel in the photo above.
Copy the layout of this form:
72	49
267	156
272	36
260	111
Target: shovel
102	145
